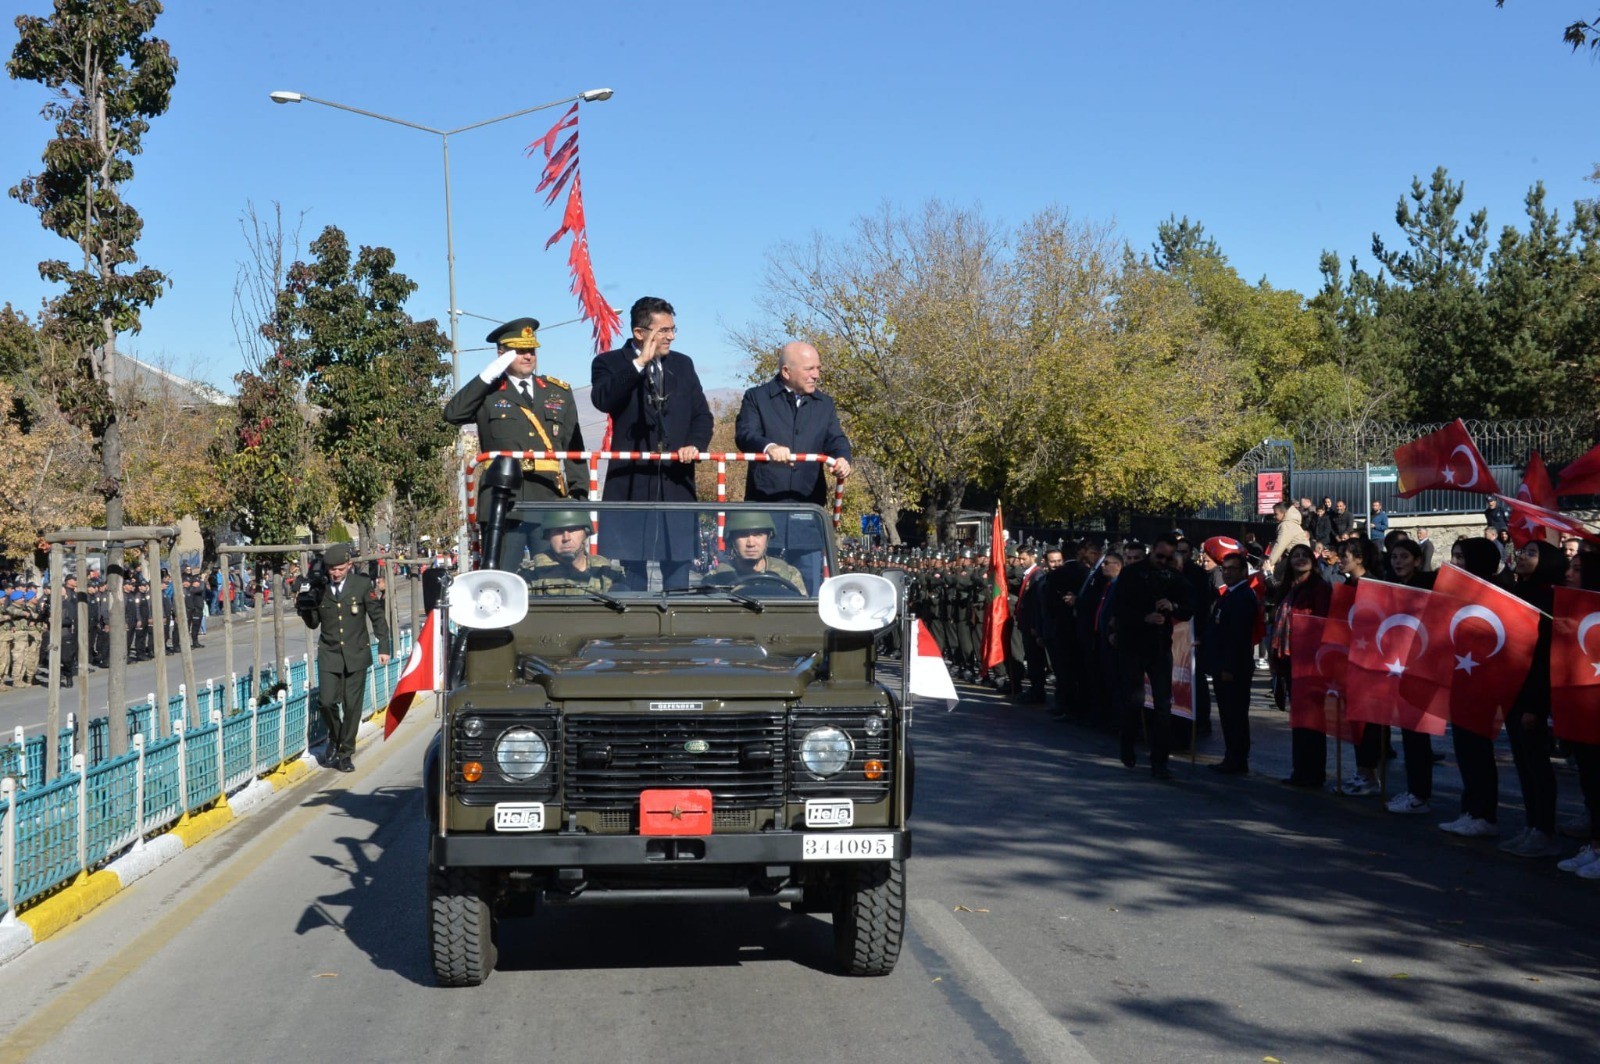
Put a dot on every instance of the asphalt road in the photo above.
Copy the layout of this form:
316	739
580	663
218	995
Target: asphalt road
27	706
1064	908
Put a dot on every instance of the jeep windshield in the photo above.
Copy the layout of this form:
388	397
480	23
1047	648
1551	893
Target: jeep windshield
626	553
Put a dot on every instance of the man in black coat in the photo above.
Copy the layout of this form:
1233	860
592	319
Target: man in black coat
655	401
516	408
782	418
1152	595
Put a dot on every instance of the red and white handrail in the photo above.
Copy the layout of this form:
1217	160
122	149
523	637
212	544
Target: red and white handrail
594	458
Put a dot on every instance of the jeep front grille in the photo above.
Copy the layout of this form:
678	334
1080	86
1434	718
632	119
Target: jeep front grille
608	760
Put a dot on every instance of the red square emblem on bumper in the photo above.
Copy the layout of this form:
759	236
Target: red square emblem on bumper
672	812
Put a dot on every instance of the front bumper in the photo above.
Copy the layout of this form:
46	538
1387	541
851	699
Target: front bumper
552	850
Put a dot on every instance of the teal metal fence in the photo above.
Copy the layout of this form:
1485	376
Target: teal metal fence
52	832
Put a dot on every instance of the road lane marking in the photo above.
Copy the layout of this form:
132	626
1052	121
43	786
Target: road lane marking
47	1022
1023	1016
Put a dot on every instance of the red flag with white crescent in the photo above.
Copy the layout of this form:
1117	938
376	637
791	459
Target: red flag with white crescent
1532	516
424	672
1398	672
1537	489
1581	477
1444	459
1491	635
1575	665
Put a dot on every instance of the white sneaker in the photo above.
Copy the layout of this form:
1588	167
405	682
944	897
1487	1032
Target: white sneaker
1355	786
1454	826
1514	842
1407	803
1585	856
1537	844
1590	871
1475	828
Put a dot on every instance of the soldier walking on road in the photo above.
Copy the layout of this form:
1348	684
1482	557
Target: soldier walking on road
344	609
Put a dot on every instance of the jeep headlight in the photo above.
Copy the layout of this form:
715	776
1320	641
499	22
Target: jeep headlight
521	754
826	751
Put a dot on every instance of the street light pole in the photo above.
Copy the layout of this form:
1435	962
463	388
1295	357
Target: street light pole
444	135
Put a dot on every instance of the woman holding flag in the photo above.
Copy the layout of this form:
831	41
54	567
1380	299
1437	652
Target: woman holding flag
1540	567
1480	777
1405	565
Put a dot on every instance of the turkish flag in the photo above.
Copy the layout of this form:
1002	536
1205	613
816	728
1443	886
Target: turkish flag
1575	665
1317	669
1528	515
1581	477
930	677
994	627
1491	635
1399	672
1444	459
424	671
1535	488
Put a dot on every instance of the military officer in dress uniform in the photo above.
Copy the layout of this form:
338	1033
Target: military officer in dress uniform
518	409
344	610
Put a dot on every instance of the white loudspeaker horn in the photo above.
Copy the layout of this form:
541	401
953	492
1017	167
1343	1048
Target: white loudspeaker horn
857	602
488	598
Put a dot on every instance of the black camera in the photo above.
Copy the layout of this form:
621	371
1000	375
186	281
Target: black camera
309	592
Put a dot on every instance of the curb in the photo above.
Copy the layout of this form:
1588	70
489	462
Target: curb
91	890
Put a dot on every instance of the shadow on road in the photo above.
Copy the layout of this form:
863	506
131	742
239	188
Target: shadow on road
386	898
1072	820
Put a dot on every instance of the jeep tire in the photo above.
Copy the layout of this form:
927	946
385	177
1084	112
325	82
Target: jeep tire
869	917
460	927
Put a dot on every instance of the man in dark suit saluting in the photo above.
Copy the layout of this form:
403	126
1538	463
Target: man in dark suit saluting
654	398
784	417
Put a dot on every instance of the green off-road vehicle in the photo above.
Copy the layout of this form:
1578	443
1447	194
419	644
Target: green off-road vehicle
661	704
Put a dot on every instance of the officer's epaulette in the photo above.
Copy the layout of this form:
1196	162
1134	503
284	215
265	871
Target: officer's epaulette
558	382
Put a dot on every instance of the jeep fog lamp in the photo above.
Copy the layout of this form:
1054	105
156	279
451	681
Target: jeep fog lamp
826	751
521	754
472	727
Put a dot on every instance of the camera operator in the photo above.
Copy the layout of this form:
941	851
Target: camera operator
343	604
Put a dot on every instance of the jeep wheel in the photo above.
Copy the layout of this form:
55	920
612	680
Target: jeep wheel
460	927
869	918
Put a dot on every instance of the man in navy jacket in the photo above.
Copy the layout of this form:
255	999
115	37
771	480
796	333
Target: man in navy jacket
784	417
656	403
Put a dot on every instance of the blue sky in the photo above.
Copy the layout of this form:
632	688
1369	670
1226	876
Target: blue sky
1287	128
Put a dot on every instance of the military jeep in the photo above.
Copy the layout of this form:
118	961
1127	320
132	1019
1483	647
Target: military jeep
666	704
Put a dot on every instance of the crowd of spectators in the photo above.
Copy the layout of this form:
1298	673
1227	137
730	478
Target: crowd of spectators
1092	633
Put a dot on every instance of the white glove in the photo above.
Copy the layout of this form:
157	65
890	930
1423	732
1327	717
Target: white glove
497	368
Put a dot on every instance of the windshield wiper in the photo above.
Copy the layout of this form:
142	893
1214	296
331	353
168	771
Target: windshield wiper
588	592
722	589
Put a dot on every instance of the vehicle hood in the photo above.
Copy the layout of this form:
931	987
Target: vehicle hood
668	668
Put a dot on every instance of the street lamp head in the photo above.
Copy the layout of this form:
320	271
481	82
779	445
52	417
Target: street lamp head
286	97
595	95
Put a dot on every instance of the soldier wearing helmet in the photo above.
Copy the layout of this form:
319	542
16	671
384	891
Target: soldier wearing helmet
749	533
565	563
